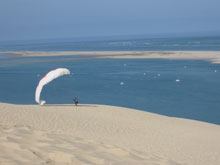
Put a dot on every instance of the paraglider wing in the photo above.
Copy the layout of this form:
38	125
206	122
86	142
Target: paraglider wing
50	76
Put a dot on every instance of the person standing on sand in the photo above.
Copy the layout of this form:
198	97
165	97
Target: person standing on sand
75	101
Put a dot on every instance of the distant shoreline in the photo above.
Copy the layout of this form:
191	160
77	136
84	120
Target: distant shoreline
212	56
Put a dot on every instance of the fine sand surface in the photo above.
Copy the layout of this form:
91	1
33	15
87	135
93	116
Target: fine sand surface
213	56
99	134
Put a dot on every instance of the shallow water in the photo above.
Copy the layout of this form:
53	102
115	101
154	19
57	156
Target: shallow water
149	84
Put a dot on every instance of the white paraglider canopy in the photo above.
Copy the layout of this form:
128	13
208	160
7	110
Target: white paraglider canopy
50	76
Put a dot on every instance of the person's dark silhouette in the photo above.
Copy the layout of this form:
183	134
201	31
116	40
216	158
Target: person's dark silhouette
75	101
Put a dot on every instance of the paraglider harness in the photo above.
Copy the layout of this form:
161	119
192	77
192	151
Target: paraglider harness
75	101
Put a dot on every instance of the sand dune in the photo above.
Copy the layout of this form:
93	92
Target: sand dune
98	134
21	145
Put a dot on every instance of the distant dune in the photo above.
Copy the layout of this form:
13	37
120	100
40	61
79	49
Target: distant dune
99	134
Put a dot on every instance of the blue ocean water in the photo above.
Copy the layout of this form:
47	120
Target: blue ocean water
149	84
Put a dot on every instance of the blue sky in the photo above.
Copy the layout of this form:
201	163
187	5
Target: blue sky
42	19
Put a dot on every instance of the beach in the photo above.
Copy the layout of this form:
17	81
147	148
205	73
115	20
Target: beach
101	134
213	56
146	78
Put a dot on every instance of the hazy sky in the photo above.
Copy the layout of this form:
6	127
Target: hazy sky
37	19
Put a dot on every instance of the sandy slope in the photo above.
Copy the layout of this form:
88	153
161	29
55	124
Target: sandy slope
213	56
98	134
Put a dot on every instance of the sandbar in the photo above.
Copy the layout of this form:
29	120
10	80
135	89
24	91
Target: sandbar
213	56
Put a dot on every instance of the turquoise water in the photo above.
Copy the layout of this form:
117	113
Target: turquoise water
149	84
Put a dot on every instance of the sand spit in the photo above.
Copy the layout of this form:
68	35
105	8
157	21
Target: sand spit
99	134
213	56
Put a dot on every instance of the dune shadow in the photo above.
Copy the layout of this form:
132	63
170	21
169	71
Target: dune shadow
70	105
86	105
